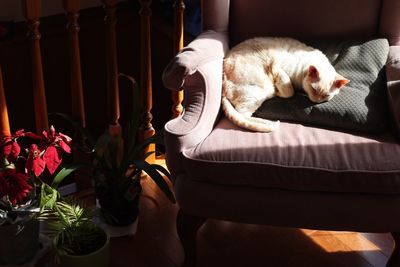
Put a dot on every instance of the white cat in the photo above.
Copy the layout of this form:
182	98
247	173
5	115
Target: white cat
261	68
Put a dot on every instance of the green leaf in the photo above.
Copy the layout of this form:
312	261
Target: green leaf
48	197
64	172
102	143
138	150
162	170
133	127
148	154
156	177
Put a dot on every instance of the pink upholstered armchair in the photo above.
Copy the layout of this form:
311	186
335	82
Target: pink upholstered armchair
298	176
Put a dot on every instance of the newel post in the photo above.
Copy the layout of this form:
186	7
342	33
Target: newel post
32	12
146	129
177	96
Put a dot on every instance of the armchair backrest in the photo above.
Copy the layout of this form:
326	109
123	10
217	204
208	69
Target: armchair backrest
244	19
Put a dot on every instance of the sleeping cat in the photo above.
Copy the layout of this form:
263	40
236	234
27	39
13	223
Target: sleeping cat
261	68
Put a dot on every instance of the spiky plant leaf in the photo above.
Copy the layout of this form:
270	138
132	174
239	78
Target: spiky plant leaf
156	177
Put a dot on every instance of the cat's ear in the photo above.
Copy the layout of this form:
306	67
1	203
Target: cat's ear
313	73
340	81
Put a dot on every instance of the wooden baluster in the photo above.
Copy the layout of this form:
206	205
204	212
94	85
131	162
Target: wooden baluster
146	129
4	123
78	107
110	19
72	7
177	96
31	10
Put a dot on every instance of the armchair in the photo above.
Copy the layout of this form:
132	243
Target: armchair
298	176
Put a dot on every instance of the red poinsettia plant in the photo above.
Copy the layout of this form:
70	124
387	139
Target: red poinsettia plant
26	159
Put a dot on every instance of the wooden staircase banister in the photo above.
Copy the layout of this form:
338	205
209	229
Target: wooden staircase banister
146	128
32	13
110	20
4	122
72	8
177	96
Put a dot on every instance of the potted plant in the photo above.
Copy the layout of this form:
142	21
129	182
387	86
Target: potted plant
25	171
19	229
77	239
119	160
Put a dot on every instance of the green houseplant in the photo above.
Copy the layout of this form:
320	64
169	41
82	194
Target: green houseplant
119	160
30	172
77	239
29	163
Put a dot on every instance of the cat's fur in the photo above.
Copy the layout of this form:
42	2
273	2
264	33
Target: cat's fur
261	68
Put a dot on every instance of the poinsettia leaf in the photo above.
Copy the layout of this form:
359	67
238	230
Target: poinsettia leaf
156	177
65	138
52	131
6	147
20	133
15	150
64	146
35	165
33	135
44	133
52	158
64	172
11	150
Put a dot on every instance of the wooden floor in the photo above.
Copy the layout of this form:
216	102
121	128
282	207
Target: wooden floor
222	243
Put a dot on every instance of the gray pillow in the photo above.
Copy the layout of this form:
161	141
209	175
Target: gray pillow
361	105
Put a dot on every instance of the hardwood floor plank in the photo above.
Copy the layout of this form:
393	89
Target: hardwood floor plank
367	249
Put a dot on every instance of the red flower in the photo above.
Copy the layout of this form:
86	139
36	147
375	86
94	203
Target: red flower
54	143
52	158
58	140
17	187
47	154
10	149
35	163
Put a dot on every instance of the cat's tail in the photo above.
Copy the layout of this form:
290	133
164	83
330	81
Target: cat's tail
249	123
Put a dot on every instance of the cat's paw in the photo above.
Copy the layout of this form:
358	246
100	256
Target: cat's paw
285	91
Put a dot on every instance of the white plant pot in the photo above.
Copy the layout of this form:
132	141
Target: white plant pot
115	231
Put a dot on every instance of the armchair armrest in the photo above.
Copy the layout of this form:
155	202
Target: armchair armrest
393	83
198	70
208	46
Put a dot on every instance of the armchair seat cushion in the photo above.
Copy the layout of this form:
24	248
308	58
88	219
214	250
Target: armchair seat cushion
297	157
